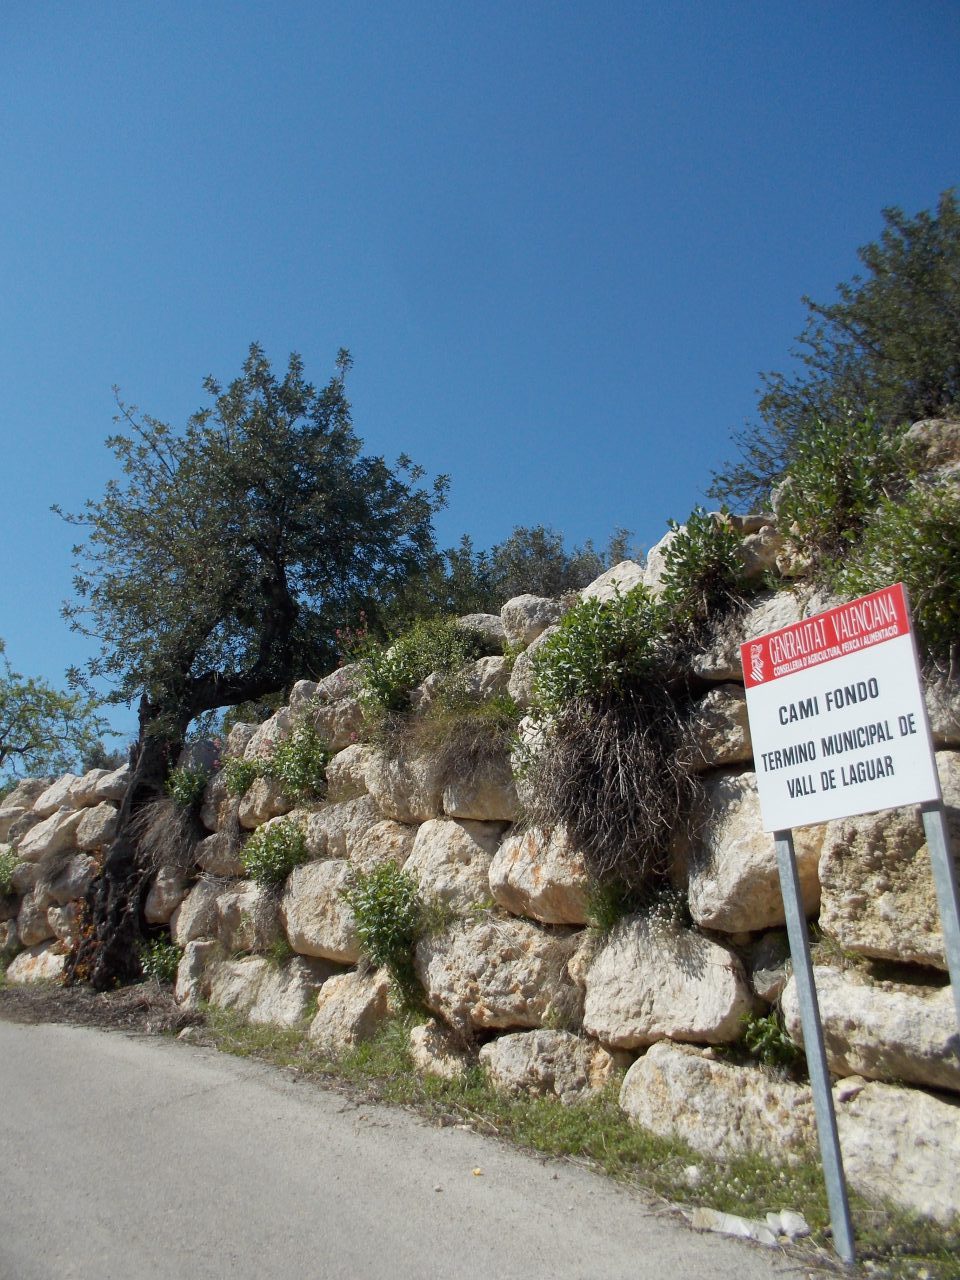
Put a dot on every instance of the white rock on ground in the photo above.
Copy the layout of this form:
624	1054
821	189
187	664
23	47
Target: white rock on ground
733	883
316	916
882	1032
351	1008
903	1145
542	877
653	981
451	861
549	1062
38	964
878	892
718	1109
495	973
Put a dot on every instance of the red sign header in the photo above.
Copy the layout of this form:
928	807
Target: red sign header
847	629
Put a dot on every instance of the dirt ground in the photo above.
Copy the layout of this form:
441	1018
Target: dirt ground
147	1008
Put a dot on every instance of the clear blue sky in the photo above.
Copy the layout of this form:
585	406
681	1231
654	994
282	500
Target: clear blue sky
560	240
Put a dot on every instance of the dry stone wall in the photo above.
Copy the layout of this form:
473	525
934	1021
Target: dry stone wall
515	979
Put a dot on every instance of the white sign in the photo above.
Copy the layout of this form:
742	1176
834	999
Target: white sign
837	716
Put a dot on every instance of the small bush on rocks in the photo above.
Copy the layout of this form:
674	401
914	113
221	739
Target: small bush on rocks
186	786
160	959
703	577
299	764
391	916
273	851
8	864
390	674
239	774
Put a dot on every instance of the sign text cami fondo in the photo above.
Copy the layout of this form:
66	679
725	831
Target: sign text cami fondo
837	715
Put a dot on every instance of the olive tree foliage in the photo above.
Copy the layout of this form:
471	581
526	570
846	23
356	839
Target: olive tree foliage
42	729
217	568
889	343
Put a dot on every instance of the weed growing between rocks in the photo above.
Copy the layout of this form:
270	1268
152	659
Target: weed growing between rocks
273	851
765	1039
186	786
8	864
299	764
703	578
160	958
239	774
391	916
167	834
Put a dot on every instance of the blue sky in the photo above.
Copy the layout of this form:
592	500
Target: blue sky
559	240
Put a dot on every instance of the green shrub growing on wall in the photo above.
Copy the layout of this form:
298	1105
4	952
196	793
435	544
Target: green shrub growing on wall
8	864
273	851
601	649
391	673
841	471
299	764
185	786
391	916
160	959
914	540
239	774
703	576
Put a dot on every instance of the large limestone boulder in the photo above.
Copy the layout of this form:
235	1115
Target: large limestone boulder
97	826
83	791
718	732
51	835
303	695
549	1062
942	697
717	1108
346	773
451	861
316	915
496	973
9	940
263	800
334	830
720	660
219	854
654	980
351	1008
192	986
33	925
881	1031
623	577
27	791
484	794
521	685
167	891
9	814
67	879
197	916
113	786
408	788
902	1145
43	963
436	1050
385	841
526	617
219	808
263	992
338	723
489	625
878	892
238	739
655	567
55	796
935	442
733	882
267	735
543	877
247	917
65	922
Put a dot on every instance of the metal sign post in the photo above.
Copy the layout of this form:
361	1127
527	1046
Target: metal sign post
814	1048
839	727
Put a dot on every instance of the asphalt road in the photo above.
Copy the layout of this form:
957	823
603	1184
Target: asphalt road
134	1159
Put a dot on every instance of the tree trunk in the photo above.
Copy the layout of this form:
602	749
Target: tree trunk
107	953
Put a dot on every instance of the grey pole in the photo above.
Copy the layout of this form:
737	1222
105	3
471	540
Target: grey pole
945	879
814	1047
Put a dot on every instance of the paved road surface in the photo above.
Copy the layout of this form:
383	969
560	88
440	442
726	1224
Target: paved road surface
136	1159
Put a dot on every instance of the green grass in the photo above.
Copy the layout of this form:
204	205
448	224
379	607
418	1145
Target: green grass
596	1133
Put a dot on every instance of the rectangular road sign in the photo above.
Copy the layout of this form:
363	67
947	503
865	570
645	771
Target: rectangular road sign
837	715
